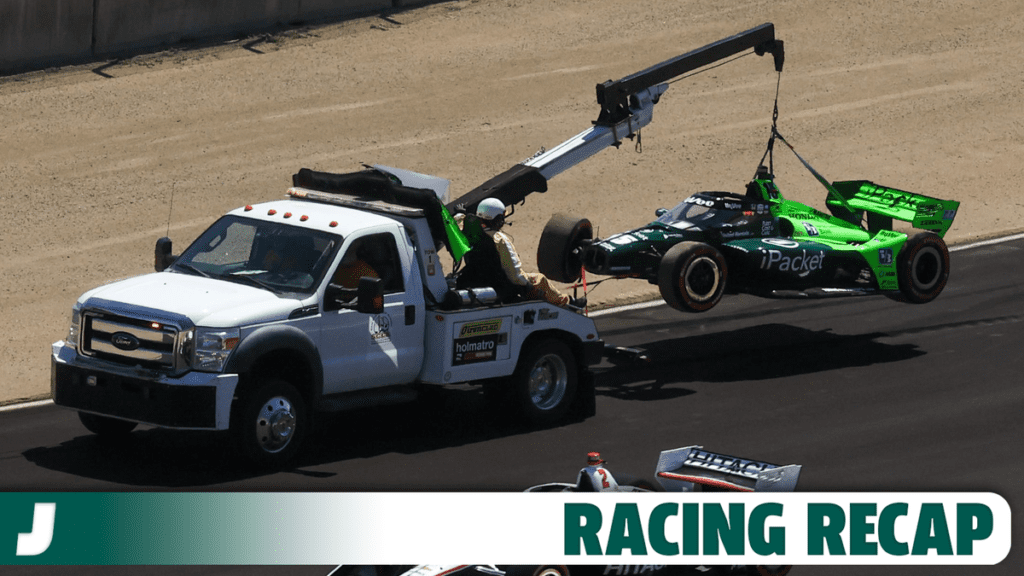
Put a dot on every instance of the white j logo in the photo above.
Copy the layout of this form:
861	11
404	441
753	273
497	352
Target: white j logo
36	542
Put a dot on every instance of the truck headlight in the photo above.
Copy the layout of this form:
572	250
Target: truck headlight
73	330
212	348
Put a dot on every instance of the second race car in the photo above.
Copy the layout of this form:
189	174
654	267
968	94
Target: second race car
688	469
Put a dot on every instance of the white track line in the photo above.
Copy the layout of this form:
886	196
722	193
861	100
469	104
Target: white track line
605	312
986	242
627	308
33	404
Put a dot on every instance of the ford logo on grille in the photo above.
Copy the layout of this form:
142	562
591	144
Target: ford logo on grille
124	341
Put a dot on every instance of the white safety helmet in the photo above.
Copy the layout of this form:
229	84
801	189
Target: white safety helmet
489	209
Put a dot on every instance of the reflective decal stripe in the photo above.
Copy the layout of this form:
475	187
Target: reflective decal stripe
705	481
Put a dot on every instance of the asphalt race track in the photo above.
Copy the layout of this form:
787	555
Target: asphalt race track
866	393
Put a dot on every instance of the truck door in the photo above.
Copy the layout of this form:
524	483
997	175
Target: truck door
372	350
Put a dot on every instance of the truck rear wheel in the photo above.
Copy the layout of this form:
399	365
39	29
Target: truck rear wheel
923	267
270	423
544	383
692	276
105	425
558	254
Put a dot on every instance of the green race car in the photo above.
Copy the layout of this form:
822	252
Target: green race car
760	243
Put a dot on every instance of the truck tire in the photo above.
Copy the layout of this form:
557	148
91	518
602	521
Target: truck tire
558	254
544	383
922	267
270	423
692	276
105	425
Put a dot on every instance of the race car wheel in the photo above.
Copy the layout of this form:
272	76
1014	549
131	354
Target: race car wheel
923	267
544	383
105	425
558	255
692	276
270	422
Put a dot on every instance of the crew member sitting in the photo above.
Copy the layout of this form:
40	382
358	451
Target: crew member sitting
491	213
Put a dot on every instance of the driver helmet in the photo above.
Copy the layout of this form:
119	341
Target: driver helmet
489	209
595	477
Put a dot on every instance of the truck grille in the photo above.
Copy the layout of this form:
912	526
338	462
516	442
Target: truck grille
129	340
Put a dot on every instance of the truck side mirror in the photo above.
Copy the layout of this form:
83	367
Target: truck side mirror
660	212
162	257
370	295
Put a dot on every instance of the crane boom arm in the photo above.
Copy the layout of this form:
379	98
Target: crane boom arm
627	105
613	95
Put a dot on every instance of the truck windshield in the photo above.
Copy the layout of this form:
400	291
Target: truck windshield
281	258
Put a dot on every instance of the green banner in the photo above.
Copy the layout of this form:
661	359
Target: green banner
152	528
291	528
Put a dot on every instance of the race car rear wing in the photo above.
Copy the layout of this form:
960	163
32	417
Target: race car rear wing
418	570
686	469
882	204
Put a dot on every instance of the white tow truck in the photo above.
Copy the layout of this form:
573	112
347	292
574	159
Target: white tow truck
252	327
334	298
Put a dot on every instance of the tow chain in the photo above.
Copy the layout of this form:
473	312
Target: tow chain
769	153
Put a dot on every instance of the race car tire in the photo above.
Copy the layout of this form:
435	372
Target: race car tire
270	422
923	267
105	425
544	382
558	254
692	276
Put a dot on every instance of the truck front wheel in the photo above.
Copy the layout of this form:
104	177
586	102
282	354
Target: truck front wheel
270	422
544	383
105	425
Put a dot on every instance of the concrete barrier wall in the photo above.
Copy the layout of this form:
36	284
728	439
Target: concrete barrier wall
124	25
39	33
313	9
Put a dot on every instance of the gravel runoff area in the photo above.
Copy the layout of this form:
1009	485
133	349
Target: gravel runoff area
102	159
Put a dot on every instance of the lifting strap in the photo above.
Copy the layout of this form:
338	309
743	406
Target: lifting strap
828	185
769	153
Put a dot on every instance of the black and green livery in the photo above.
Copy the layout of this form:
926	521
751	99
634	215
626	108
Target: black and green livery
760	243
